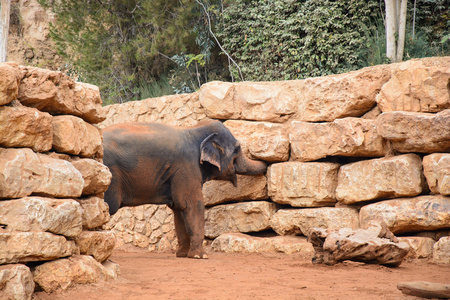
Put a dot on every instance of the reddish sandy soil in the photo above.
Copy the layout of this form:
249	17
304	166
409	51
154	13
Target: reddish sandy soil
147	275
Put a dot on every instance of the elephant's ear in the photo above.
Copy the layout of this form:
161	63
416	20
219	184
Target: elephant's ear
209	151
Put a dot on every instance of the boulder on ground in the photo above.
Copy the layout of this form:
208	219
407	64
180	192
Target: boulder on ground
441	250
61	274
373	245
425	289
419	247
16	282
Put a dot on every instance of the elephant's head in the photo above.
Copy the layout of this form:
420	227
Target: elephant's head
221	156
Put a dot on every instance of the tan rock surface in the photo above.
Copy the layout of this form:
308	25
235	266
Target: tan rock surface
258	101
56	93
62	274
21	247
248	188
441	250
342	137
180	110
416	132
58	216
299	221
10	77
338	96
98	244
419	247
436	168
423	289
25	127
415	87
241	217
375	244
95	212
243	243
25	172
303	184
16	282
409	214
96	176
74	136
380	178
261	140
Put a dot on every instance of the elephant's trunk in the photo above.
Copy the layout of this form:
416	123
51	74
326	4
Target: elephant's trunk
246	166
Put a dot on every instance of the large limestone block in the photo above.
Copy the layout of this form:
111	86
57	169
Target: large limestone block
21	247
241	217
415	87
436	168
56	93
98	244
261	140
74	136
96	176
299	221
243	243
95	212
409	214
248	188
303	184
16	282
344	137
388	177
419	247
338	96
258	101
64	273
441	251
416	132
177	110
57	216
23	172
10	77
25	127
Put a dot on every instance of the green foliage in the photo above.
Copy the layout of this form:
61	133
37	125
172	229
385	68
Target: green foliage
276	40
121	45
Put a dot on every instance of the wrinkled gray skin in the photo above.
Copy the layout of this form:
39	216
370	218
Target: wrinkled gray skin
159	164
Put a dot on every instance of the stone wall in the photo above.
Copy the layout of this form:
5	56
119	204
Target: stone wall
51	183
344	151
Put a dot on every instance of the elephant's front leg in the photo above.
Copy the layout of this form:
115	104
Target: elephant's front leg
189	207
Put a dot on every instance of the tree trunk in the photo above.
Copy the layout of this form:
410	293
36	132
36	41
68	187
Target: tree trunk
391	29
4	29
401	30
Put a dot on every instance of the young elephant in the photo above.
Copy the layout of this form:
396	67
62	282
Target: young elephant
160	164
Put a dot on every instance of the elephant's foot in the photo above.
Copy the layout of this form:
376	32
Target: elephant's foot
182	252
197	254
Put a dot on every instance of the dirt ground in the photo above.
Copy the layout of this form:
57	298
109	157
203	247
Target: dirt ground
146	275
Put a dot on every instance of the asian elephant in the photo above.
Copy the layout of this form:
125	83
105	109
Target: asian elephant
159	164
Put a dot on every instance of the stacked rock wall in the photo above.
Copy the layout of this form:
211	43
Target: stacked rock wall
51	182
344	151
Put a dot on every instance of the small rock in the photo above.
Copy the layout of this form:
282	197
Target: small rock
425	289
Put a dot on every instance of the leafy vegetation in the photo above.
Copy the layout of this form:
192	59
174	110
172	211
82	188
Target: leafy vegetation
134	49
